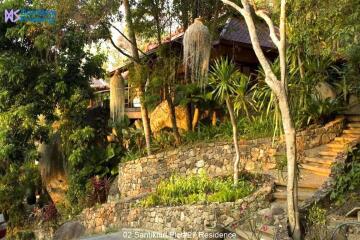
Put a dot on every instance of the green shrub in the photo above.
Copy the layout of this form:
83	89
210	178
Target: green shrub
319	110
179	190
88	157
22	235
348	177
316	223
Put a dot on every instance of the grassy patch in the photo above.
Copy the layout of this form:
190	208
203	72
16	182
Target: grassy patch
180	190
254	128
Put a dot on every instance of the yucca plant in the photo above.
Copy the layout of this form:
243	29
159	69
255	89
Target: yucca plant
243	103
224	78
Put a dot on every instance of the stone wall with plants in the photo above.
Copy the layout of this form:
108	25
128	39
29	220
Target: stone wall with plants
197	219
142	175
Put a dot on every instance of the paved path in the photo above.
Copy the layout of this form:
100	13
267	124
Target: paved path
129	234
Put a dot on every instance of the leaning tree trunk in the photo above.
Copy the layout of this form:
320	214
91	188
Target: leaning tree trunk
292	190
235	139
135	54
146	124
173	119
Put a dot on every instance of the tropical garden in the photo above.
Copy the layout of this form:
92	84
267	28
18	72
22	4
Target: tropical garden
45	88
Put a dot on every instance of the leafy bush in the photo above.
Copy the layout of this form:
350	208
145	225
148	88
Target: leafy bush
21	235
49	212
349	177
14	185
179	190
320	110
316	224
88	157
98	189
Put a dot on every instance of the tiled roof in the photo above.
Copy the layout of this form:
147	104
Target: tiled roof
236	30
98	84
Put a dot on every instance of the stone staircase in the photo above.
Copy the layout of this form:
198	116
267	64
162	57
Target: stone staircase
315	167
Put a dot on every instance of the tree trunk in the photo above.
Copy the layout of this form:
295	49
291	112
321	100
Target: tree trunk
292	190
146	125
173	119
196	118
280	90
235	139
135	54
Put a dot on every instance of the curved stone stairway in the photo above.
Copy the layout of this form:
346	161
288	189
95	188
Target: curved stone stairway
315	167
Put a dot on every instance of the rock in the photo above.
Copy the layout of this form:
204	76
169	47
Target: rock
114	193
200	164
69	231
325	90
52	168
276	210
160	117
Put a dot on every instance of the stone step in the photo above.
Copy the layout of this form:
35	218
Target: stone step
247	235
319	160
343	139
281	195
301	184
317	170
353	125
350	137
329	153
352	131
337	146
353	118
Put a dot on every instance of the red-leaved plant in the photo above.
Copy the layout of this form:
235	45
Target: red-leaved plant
49	212
99	190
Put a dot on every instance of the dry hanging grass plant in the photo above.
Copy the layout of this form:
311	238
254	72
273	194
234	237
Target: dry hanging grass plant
197	46
117	98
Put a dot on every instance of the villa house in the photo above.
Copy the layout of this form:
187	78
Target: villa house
233	42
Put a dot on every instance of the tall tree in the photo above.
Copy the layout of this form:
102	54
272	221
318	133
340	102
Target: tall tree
43	67
279	86
147	13
141	87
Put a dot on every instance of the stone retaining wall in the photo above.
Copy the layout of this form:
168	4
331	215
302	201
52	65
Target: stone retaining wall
143	175
188	218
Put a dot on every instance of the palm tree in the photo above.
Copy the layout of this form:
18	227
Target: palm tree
224	78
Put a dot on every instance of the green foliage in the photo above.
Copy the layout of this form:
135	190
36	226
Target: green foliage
43	67
21	235
316	215
347	177
323	28
266	104
179	190
87	158
316	223
209	133
15	185
224	78
319	110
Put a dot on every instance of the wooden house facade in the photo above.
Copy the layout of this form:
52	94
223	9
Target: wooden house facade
233	42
